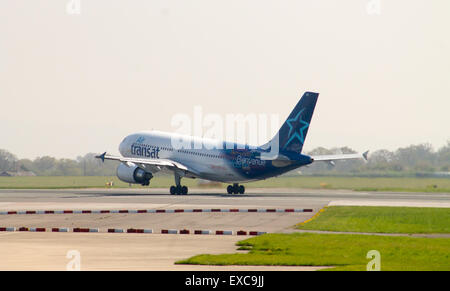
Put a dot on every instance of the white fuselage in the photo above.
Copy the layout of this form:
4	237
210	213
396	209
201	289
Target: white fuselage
203	156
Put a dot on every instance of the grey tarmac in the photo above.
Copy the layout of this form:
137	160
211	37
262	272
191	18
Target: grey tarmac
103	251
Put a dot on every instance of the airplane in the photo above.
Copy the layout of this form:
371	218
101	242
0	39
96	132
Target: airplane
145	153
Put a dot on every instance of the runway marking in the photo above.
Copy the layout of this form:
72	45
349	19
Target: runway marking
4	230
314	216
133	211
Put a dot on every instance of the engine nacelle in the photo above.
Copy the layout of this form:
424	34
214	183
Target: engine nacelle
133	174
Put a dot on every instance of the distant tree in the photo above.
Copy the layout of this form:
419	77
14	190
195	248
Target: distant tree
67	167
7	160
380	160
91	166
408	160
443	157
320	151
381	156
416	157
26	164
44	166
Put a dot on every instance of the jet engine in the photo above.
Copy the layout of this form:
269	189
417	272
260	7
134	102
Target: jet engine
133	174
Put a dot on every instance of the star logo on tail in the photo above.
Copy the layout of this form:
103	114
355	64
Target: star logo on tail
296	122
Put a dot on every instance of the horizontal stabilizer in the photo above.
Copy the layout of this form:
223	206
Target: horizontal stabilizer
327	158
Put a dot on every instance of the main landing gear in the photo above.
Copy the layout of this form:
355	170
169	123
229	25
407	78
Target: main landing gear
178	189
236	189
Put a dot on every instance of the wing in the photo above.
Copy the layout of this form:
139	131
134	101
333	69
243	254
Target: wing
154	165
330	158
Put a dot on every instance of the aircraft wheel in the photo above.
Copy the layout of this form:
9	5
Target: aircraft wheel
241	189
230	189
184	190
173	190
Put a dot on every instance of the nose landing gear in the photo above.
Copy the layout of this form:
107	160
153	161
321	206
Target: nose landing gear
236	189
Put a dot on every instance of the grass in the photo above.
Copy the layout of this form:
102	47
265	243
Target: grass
352	183
67	182
349	251
394	184
381	220
342	251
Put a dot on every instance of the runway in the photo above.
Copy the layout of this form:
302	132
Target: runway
103	251
159	198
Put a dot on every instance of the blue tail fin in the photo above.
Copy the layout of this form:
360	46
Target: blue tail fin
292	134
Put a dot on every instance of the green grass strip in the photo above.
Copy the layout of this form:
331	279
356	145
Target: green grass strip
342	251
397	184
381	220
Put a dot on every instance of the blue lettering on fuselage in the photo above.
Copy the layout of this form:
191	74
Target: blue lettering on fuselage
242	162
145	151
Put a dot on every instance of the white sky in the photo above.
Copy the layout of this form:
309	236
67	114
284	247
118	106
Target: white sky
72	84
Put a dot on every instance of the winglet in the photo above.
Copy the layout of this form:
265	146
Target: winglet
102	157
365	154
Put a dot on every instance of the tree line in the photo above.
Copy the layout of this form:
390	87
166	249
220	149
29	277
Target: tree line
86	165
416	160
419	159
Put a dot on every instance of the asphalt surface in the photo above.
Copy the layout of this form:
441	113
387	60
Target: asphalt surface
286	198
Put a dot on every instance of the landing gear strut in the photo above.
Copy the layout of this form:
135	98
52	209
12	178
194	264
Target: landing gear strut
178	189
236	189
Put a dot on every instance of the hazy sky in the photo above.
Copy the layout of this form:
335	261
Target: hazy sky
77	83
